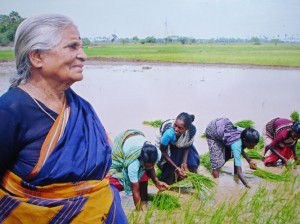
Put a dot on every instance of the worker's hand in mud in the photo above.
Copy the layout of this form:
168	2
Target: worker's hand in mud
184	167
181	173
162	186
285	161
247	185
252	165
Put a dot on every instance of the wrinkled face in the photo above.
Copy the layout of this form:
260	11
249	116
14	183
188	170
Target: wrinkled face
179	127
64	63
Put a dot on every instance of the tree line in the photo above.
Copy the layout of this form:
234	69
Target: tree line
8	27
9	24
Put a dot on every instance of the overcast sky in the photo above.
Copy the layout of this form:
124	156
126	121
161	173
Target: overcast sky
161	18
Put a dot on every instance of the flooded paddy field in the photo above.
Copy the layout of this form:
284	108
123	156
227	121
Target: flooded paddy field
126	94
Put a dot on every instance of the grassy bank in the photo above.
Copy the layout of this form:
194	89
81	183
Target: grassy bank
265	54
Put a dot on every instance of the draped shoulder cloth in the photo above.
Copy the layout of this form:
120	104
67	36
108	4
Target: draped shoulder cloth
67	184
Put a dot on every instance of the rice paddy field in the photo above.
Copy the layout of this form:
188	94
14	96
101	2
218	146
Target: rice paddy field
264	54
268	201
274	196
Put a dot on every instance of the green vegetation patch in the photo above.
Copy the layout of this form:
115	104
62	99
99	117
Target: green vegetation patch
271	176
156	123
245	124
164	201
202	184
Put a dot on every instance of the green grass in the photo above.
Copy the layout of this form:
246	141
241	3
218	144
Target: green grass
276	203
6	55
245	124
272	176
155	124
265	54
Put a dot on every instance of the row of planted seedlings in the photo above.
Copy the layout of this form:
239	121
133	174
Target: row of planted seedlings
275	203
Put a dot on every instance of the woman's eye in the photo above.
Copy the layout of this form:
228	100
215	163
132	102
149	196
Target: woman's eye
73	46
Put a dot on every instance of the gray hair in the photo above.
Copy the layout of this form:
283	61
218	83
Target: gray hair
42	33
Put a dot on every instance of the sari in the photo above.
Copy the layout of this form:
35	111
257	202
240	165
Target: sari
121	160
175	150
67	184
277	133
220	134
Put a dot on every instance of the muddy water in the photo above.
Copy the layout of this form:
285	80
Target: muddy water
125	95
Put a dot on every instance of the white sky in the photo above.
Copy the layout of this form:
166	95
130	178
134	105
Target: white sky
161	18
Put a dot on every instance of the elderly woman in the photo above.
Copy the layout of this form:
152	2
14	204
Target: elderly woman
226	141
281	136
54	149
133	160
175	139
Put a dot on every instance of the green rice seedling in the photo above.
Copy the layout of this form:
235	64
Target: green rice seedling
134	217
245	124
202	184
164	201
260	145
156	123
205	161
269	175
254	154
203	135
298	148
295	116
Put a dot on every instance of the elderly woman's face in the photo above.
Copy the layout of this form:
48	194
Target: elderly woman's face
64	63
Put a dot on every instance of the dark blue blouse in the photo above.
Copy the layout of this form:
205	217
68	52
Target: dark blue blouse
23	129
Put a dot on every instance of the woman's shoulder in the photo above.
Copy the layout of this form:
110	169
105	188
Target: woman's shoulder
13	99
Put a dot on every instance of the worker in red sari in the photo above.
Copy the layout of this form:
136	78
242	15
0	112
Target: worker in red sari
281	136
54	150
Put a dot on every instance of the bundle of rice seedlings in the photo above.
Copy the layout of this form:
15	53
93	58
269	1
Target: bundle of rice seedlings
202	184
254	154
245	124
164	201
295	116
298	148
156	123
270	176
205	161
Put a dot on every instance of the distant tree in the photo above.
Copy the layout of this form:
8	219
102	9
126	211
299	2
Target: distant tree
193	40
275	41
135	39
124	40
183	40
8	26
168	40
150	40
113	38
86	42
255	40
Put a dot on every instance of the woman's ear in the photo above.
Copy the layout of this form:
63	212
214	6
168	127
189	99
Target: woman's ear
36	58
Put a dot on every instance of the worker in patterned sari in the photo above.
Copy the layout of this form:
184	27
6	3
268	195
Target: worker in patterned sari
133	160
175	139
226	141
280	136
54	150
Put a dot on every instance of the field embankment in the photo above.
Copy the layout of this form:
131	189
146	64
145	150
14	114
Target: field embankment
287	55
